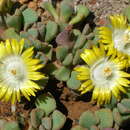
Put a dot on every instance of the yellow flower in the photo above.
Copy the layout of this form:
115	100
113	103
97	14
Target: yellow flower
102	74
18	71
116	36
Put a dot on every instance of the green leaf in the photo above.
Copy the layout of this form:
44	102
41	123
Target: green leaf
51	31
49	7
36	116
88	119
58	120
126	12
66	11
47	123
78	127
46	102
68	60
61	52
117	117
73	83
62	74
10	33
12	126
30	16
106	118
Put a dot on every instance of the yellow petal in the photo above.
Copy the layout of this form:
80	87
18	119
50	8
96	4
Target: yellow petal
35	76
30	62
8	47
21	42
118	21
115	92
25	94
108	96
96	92
121	89
33	84
83	76
96	51
82	69
18	95
102	49
123	74
2	50
88	56
120	63
15	46
28	87
2	91
88	88
8	95
110	51
101	99
31	91
123	81
34	68
105	31
85	85
28	53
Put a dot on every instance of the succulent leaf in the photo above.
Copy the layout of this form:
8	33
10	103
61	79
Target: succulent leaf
46	102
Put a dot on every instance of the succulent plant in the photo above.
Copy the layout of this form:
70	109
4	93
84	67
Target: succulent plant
54	121
46	114
33	17
43	49
38	30
40	35
68	53
78	127
37	121
66	10
88	119
126	12
105	117
9	34
58	44
47	103
12	125
51	31
15	20
43	117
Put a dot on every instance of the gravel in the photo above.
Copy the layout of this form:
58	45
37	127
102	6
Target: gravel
104	8
100	8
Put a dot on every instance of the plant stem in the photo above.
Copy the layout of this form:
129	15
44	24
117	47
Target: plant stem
13	108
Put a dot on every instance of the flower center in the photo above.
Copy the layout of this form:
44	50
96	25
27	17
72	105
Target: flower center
107	71
103	72
13	71
122	40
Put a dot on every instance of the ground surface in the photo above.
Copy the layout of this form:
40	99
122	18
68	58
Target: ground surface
67	103
104	8
100	8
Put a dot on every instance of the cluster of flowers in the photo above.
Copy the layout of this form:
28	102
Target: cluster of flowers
106	64
104	72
